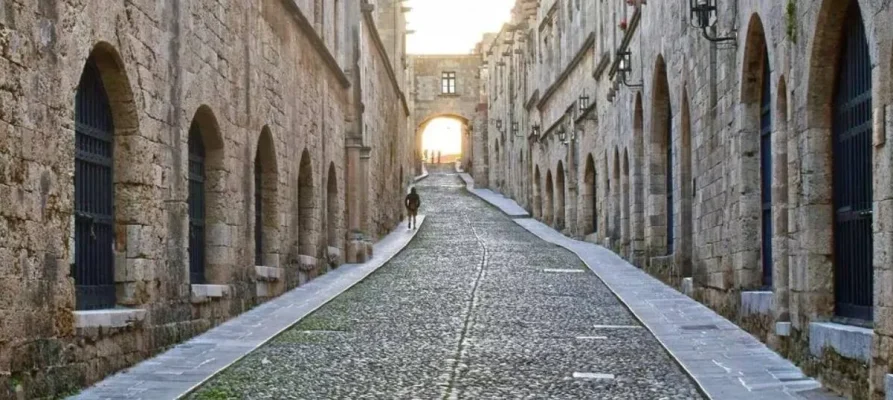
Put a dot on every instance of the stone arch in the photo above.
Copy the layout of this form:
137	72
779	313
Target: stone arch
333	209
625	224
548	204
660	195
119	187
537	194
754	156
818	205
638	183
307	210
210	251
423	125
266	201
686	191
560	209
589	210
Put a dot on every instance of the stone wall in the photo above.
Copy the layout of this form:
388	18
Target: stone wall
699	102
261	82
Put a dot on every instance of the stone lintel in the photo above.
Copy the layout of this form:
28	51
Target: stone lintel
206	293
111	318
268	273
760	302
847	340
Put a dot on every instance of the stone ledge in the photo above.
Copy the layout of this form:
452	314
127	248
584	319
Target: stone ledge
756	302
268	274
783	329
206	293
111	318
307	263
688	287
849	341
333	256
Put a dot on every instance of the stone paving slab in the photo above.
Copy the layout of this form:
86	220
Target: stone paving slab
505	204
174	373
724	360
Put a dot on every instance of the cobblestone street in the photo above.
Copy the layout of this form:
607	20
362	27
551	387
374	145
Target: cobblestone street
475	307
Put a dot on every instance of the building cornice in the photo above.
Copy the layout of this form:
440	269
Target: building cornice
379	45
318	43
581	54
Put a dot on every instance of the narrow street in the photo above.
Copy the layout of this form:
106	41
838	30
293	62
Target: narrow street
475	307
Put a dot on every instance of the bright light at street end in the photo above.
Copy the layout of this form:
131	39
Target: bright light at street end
444	135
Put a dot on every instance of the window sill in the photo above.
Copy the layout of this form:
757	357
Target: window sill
758	302
268	274
849	341
206	293
111	318
449	95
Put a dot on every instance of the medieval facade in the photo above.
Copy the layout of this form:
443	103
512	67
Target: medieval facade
736	152
167	165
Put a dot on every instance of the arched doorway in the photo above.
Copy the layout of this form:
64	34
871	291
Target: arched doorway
266	184
537	194
307	240
333	228
838	117
444	132
205	201
661	186
548	204
686	191
589	190
616	230
626	228
559	197
638	183
756	153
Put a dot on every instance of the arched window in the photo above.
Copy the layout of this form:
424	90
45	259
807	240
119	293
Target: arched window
94	269
766	172
852	154
196	205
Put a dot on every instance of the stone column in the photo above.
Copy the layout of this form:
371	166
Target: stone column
354	194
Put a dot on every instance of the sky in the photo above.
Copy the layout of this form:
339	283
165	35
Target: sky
453	26
443	134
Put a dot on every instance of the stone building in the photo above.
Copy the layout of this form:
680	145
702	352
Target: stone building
447	86
167	165
737	153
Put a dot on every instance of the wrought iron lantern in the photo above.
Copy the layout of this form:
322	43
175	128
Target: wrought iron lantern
703	17
498	124
584	102
515	128
625	68
536	130
562	134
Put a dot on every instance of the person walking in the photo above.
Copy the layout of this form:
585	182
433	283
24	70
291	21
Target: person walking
438	156
412	203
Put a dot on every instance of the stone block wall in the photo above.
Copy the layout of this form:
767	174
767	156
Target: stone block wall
698	102
261	82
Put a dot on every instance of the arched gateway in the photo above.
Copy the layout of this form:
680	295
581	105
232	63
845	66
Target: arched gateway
448	87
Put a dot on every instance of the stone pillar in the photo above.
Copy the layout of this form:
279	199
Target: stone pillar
354	185
367	226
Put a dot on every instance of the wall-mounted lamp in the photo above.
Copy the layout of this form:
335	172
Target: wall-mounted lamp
611	93
584	102
498	124
515	128
625	67
562	135
536	130
702	18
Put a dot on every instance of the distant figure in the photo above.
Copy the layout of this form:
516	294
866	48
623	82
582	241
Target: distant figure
412	203
425	159
438	156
